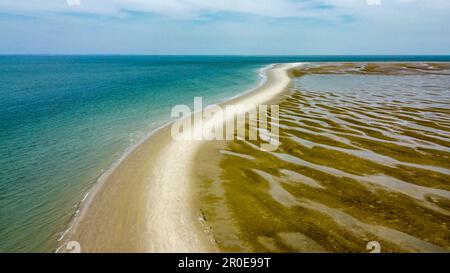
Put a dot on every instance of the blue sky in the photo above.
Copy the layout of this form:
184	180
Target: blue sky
255	27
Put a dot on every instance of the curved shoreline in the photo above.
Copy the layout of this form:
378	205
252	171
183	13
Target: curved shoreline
144	202
83	205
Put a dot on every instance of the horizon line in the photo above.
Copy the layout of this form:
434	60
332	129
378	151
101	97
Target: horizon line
223	55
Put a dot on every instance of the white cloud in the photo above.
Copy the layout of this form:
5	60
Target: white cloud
197	8
183	8
274	27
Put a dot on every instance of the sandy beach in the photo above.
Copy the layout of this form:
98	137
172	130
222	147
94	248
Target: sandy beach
147	202
351	168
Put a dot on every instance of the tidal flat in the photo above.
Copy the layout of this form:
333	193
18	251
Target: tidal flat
364	156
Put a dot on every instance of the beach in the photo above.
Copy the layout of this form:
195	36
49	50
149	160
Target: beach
146	203
338	180
64	136
62	129
225	127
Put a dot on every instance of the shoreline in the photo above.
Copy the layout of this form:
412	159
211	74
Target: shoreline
83	205
144	202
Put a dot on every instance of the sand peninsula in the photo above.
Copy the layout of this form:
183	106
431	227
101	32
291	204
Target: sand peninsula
352	169
147	202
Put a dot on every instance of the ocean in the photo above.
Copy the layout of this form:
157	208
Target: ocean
64	120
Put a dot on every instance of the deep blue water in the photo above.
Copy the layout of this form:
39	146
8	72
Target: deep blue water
65	119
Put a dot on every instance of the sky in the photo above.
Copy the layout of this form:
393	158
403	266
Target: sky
222	27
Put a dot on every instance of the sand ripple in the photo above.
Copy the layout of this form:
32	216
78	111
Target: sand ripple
364	155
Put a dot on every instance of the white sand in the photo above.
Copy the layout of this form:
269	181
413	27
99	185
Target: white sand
145	204
172	228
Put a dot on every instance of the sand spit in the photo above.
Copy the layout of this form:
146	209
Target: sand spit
146	203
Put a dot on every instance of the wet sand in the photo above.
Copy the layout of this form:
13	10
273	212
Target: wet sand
148	202
352	167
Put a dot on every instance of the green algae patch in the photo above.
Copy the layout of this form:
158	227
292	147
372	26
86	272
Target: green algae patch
341	176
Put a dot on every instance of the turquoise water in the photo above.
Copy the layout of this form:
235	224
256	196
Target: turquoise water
65	119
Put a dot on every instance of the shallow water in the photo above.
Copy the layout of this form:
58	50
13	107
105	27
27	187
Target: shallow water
363	157
65	119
